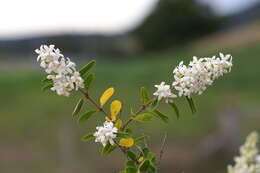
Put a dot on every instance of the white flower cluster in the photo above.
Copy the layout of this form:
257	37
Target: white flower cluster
61	70
164	91
195	77
200	73
248	161
106	133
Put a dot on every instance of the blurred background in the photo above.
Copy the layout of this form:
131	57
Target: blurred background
135	43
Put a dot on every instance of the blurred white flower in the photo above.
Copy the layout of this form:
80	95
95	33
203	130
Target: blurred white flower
65	77
246	162
164	91
106	133
257	159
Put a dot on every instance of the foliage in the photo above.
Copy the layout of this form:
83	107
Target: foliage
174	22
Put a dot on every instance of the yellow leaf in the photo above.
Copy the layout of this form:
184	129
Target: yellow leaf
126	142
115	108
118	124
107	118
140	159
106	95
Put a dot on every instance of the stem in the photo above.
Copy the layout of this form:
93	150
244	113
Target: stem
142	108
121	148
86	95
162	150
101	110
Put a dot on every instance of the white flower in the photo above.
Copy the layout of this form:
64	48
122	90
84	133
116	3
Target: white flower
199	74
49	57
61	84
64	75
77	80
164	91
106	133
247	161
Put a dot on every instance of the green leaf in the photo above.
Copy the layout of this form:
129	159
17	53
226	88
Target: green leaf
87	137
131	155
140	139
132	112
47	86
88	81
144	166
108	149
77	107
144	95
175	108
129	131
153	105
160	115
145	151
118	124
86	116
143	117
130	163
152	168
87	67
45	80
192	105
122	134
131	170
150	156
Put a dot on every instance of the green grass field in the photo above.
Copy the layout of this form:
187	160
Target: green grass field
33	122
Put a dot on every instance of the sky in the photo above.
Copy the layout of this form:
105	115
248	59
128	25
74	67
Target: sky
225	7
21	18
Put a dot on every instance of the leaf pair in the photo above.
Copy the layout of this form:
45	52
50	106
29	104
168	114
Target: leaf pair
191	104
115	106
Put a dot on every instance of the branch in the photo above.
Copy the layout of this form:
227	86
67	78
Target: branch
142	108
86	95
162	150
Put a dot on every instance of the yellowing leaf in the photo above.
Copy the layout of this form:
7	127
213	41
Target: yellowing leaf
115	108
107	118
106	95
118	124
143	117
126	142
140	159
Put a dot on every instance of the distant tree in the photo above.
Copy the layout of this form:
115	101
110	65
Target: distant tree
175	22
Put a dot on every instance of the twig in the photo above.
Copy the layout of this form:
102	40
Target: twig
162	150
145	141
86	95
124	150
101	110
142	108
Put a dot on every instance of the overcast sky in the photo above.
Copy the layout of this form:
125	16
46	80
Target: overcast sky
31	17
229	6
